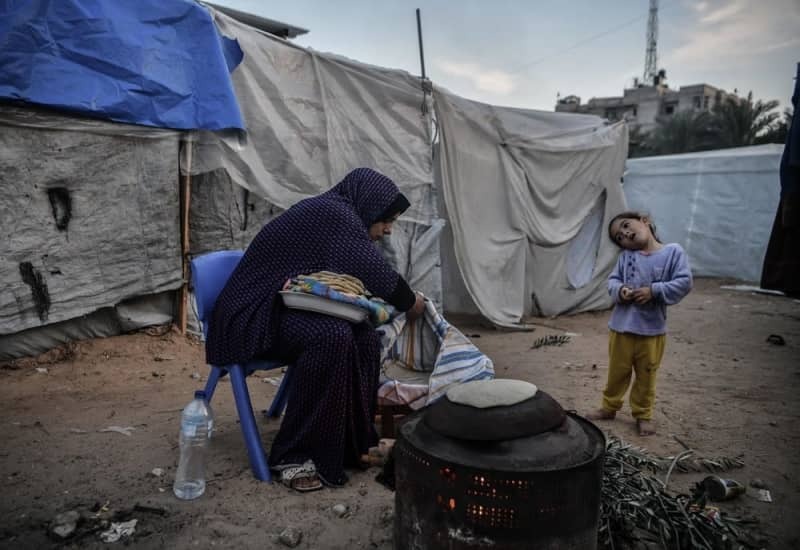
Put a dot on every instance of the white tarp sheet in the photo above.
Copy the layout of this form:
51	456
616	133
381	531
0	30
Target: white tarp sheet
718	205
313	117
524	191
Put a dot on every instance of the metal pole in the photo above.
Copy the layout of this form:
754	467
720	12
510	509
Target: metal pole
421	52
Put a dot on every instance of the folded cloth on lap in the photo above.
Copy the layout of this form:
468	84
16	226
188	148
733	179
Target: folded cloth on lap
379	311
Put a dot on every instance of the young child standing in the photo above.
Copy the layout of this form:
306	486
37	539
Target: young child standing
648	277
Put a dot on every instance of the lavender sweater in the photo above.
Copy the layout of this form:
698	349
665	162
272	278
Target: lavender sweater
665	271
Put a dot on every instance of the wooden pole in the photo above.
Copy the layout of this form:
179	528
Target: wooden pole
186	194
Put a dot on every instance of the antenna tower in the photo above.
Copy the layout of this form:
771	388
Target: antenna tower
651	56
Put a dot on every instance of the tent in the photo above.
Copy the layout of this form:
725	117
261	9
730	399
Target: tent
718	205
99	226
312	117
92	208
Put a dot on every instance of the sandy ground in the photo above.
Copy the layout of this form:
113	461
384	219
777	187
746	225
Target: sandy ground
723	390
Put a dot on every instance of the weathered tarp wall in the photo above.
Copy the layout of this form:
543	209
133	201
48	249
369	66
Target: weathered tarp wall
89	219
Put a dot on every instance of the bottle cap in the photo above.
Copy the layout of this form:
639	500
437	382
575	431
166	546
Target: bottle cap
200	394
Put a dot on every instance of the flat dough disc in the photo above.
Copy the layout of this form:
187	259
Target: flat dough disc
491	393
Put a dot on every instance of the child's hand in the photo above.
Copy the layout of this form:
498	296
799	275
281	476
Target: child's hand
625	294
642	295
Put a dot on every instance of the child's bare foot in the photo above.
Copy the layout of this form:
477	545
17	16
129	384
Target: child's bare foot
645	427
602	414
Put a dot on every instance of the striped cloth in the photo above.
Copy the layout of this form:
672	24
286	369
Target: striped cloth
421	361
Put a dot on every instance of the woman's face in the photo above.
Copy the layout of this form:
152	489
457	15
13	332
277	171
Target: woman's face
380	228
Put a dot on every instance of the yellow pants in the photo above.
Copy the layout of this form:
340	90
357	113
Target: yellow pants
629	354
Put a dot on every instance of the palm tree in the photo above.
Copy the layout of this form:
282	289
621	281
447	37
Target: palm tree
777	133
683	132
737	122
638	143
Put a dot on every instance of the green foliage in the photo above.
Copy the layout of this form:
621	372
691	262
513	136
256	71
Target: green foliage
683	132
638	144
779	131
734	122
738	122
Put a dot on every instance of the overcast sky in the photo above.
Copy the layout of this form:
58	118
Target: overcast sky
523	53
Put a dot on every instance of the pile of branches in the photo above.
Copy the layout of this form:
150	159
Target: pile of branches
683	462
637	511
550	340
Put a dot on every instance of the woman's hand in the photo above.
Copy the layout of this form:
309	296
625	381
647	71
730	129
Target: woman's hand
642	295
417	309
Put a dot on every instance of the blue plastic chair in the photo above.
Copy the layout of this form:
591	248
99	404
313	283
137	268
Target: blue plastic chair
210	272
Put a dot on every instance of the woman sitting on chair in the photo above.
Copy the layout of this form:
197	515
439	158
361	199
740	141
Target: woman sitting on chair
331	402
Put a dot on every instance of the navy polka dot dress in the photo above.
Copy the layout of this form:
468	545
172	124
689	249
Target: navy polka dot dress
331	405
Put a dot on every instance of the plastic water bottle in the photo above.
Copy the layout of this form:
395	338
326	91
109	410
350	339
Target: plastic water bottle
197	423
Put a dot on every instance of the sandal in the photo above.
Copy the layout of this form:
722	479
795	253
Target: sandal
302	478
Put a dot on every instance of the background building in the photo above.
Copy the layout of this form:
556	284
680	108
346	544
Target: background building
642	106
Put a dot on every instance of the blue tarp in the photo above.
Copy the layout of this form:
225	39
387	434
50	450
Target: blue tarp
152	62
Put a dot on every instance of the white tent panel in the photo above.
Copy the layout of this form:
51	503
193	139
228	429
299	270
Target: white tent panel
718	205
519	186
311	118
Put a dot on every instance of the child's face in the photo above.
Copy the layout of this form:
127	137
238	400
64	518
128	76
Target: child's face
631	233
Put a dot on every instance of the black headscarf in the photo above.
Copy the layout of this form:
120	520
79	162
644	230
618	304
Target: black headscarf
398	206
368	192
